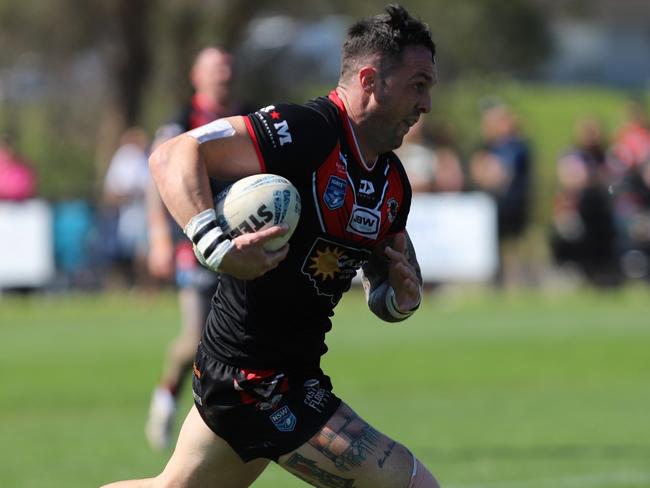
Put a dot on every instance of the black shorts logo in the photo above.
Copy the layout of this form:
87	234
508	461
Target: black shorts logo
284	419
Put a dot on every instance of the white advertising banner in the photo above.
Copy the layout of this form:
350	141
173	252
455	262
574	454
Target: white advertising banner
26	247
455	236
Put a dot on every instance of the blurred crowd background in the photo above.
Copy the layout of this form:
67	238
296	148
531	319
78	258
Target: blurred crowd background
543	106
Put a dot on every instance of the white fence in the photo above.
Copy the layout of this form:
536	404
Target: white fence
26	244
455	238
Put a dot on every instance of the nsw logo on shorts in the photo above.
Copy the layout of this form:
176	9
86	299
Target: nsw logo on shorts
284	419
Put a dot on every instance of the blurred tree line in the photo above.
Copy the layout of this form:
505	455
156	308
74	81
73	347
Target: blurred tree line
74	75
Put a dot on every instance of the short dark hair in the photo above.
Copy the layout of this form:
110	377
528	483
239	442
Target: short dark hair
387	34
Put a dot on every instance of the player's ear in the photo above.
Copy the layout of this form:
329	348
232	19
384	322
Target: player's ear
367	78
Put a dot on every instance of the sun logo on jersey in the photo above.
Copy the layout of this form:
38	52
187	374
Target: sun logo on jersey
326	263
329	266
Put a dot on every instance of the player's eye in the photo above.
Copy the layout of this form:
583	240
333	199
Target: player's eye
420	87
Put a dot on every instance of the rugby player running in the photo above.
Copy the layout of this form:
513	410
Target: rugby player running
260	394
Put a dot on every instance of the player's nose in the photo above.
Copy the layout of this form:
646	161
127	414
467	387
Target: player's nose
424	103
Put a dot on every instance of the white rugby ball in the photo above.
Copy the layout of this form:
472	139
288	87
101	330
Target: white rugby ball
258	202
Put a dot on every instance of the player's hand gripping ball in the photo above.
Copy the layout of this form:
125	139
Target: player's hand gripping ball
258	202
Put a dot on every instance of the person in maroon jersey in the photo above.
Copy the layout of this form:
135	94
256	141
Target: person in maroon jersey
260	394
170	253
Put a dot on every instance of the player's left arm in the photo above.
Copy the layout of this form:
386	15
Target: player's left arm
392	279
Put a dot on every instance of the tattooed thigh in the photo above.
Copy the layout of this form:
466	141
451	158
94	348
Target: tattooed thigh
349	453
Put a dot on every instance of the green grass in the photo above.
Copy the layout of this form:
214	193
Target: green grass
523	390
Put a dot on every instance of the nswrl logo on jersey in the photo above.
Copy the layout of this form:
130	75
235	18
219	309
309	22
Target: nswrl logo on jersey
334	195
284	419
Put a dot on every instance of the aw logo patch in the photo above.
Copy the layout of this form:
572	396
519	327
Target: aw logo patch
364	222
334	195
284	419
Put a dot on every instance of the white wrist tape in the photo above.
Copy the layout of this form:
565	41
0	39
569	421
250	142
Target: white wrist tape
210	243
391	305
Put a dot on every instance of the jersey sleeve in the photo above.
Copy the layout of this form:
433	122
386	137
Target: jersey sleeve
290	139
402	211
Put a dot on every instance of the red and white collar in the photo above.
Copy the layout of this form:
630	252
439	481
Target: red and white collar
349	132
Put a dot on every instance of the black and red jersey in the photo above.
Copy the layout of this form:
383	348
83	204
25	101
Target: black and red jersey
280	319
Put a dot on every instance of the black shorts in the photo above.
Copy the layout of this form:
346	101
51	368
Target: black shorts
261	413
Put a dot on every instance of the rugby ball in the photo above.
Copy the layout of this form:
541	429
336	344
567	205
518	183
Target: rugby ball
258	202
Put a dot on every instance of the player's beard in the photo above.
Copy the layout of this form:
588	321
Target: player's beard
386	134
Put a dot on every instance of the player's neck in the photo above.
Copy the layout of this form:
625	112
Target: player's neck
368	158
367	155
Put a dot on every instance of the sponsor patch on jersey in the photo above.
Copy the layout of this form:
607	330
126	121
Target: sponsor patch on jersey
284	419
334	195
366	187
282	131
330	267
364	222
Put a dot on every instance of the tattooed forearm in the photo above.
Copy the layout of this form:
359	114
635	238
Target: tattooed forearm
307	470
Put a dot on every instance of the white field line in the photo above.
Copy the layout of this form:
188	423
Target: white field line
596	480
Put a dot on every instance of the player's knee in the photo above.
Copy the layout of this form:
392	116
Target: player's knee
421	476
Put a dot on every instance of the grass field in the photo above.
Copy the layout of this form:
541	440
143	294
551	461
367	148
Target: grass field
522	390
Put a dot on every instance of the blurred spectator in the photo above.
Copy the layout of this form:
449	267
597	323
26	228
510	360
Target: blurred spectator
17	177
630	162
449	175
501	167
432	164
170	252
418	158
584	232
633	217
124	212
631	145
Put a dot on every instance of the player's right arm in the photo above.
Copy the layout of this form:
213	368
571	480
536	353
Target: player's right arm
181	168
